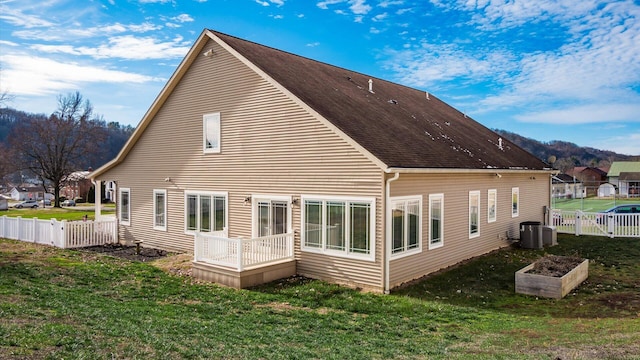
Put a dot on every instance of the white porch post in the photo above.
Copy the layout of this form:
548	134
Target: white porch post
98	199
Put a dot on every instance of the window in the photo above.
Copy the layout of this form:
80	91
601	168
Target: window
436	212
342	227
205	212
272	216
492	198
211	131
474	214
515	202
406	224
160	210
125	206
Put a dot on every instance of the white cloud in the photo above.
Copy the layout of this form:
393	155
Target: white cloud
585	114
263	3
387	3
125	47
324	5
182	18
380	17
313	44
32	75
627	144
17	18
359	7
278	2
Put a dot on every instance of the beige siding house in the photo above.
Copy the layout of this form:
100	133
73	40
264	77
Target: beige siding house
266	164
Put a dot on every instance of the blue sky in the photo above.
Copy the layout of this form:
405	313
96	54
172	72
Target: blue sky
550	70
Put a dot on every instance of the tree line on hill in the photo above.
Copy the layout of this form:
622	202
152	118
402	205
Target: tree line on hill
47	149
563	155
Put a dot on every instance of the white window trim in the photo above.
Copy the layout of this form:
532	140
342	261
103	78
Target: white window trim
255	198
343	254
155	193
492	194
128	191
206	117
209	193
515	191
409	252
441	242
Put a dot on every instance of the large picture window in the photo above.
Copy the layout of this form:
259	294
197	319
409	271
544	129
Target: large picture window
492	200
342	227
205	212
211	131
406	225
436	212
474	214
160	209
515	202
125	206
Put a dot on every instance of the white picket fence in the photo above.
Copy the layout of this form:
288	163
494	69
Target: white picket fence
63	234
600	224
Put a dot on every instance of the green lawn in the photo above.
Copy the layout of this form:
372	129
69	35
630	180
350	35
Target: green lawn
590	204
79	305
65	213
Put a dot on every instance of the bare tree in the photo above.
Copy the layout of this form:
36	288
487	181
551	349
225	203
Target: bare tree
55	147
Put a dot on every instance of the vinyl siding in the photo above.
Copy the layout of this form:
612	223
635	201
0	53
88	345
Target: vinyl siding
534	194
269	145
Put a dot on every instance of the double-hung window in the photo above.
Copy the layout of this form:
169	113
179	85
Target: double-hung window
474	214
515	202
205	211
336	226
436	216
125	206
492	200
406	225
211	132
160	210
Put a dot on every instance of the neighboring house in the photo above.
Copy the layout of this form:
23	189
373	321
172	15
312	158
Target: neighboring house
379	183
76	185
22	193
590	177
565	186
625	175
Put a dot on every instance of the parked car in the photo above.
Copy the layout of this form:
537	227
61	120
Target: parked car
26	204
68	202
620	209
46	202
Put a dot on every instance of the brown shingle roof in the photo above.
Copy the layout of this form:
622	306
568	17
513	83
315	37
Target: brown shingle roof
399	125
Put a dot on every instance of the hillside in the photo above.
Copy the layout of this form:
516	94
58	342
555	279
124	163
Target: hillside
115	135
566	154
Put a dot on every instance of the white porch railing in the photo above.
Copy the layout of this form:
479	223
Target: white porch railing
599	224
241	253
63	234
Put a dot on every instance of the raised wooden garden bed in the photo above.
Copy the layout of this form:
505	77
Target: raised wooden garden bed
536	281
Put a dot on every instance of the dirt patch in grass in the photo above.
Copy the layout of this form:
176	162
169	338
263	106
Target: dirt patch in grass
131	253
622	301
176	264
555	266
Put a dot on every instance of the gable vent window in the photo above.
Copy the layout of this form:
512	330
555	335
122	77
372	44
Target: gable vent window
211	132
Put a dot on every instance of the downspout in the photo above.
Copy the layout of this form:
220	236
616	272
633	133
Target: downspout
387	233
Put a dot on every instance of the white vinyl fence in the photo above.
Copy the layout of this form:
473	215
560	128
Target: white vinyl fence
600	224
63	234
